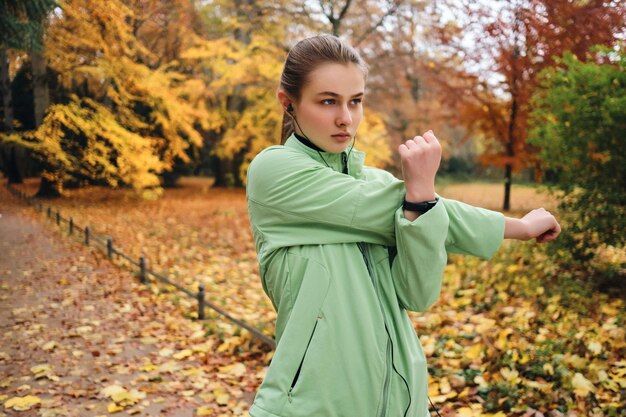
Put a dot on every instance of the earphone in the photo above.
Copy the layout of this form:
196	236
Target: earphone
289	108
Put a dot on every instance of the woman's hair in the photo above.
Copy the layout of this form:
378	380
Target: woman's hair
306	56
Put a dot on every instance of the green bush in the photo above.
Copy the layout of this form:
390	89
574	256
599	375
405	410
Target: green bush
579	119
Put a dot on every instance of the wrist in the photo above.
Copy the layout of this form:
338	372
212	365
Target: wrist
419	196
516	229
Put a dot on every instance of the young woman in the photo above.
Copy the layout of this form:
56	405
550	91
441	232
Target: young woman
344	249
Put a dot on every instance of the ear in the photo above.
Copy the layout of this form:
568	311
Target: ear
284	99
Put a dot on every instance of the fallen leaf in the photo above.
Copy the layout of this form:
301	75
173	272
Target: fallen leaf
582	386
22	403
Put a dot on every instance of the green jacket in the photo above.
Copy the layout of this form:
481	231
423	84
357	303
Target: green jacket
341	266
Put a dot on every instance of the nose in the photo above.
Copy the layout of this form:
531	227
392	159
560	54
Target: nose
344	118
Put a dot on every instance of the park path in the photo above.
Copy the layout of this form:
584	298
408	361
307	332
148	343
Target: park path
81	338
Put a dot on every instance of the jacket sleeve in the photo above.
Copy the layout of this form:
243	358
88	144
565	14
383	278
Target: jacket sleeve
473	230
300	201
422	247
417	268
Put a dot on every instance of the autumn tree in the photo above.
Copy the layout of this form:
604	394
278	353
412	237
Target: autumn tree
492	53
128	114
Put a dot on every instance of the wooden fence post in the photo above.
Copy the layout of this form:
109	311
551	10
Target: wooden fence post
201	302
142	269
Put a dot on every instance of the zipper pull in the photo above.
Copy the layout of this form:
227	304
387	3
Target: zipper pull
344	163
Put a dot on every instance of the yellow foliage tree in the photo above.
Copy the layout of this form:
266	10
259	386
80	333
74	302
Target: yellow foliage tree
242	64
132	116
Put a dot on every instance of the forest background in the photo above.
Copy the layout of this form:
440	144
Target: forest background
126	98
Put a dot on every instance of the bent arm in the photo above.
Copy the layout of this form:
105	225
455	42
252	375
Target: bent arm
301	202
417	269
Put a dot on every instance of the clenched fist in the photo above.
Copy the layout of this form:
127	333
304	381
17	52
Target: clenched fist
420	159
538	224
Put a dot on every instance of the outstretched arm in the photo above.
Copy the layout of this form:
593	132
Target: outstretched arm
539	224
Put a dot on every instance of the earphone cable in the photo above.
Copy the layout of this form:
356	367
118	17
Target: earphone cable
307	138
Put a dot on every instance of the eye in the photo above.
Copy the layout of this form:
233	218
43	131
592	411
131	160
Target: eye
357	100
328	101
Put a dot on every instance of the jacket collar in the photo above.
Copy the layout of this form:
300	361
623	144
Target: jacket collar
355	158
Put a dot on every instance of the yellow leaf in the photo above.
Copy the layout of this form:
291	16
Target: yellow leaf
548	368
221	397
41	370
22	403
49	346
444	386
595	347
237	369
183	354
148	367
112	390
205	410
511	375
582	386
465	412
166	352
433	389
229	344
502	342
114	408
576	361
474	352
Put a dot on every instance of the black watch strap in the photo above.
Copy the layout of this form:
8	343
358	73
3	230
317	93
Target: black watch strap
421	207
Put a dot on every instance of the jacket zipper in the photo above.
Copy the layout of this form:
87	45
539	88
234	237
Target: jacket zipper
344	163
370	271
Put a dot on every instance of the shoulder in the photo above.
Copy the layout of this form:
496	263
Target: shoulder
275	155
277	163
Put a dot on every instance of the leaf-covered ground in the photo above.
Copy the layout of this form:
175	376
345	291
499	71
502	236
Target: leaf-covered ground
81	337
509	337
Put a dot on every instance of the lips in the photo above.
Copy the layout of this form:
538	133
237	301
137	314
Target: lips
342	136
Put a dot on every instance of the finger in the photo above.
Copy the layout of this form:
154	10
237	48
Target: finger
548	236
430	137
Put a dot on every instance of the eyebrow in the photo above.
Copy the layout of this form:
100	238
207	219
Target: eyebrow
330	93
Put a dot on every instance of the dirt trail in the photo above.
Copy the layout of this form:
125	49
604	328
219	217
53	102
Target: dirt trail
76	330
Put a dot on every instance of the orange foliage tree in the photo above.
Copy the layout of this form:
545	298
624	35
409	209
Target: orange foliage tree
491	54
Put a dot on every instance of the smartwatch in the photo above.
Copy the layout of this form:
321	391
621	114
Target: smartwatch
421	207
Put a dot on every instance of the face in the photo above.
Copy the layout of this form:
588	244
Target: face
330	109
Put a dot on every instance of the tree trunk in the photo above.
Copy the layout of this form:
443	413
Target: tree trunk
508	170
7	97
48	188
8	150
10	162
223	170
40	86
